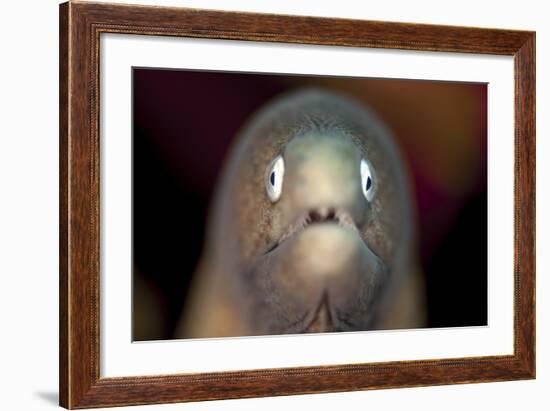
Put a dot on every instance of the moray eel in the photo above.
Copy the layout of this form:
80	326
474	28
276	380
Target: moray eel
311	228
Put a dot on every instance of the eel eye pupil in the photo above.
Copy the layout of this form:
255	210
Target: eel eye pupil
369	183
272	178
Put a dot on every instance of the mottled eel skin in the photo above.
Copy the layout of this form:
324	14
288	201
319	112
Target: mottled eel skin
311	228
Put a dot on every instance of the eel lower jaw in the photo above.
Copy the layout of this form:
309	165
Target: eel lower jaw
322	319
315	216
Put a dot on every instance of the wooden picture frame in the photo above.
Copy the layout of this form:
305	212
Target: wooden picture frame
80	27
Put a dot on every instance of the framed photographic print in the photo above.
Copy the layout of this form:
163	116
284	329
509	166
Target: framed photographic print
257	205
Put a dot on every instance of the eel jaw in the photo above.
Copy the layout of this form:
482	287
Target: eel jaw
322	318
321	314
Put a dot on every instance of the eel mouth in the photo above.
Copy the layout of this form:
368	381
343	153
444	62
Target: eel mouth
316	216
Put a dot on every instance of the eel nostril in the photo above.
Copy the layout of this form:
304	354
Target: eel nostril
315	216
322	214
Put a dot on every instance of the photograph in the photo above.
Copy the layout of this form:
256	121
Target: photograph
266	204
271	204
275	205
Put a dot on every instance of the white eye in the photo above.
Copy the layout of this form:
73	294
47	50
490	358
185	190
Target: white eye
367	180
274	178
